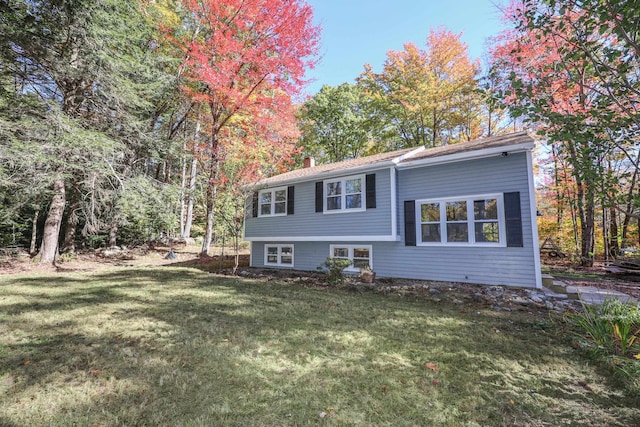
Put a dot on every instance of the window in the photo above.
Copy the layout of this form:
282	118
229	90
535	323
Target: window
359	255
485	220
344	194
279	255
272	202
464	221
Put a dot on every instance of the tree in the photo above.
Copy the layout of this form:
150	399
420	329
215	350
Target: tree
334	125
246	62
560	66
425	94
81	78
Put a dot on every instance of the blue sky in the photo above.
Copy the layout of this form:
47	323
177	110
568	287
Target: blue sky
356	32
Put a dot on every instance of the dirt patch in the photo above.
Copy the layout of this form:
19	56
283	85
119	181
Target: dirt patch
186	256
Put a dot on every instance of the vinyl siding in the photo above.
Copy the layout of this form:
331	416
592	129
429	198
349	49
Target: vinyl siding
486	264
306	222
507	266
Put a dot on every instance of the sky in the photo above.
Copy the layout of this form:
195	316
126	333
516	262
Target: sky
357	32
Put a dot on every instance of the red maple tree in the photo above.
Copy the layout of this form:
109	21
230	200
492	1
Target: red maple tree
246	60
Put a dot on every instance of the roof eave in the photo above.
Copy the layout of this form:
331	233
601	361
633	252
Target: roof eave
467	155
328	174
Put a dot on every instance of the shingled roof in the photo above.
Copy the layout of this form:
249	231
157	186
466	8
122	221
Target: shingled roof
376	159
500	141
399	157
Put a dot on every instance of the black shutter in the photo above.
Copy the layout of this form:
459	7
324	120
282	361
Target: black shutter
409	222
371	191
254	204
513	217
290	197
319	195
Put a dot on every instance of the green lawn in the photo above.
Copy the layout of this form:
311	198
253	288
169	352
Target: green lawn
179	347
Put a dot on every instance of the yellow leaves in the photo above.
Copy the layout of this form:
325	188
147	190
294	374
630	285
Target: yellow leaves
326	412
637	356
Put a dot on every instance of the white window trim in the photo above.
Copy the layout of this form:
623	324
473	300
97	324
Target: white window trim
279	263
343	196
502	232
273	201
351	247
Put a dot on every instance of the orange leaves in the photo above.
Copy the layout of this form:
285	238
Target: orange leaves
431	366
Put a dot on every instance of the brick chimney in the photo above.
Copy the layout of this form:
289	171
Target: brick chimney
309	162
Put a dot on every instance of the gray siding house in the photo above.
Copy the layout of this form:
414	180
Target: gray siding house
459	213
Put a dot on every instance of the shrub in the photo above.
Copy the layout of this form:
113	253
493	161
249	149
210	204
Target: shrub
612	333
610	329
334	267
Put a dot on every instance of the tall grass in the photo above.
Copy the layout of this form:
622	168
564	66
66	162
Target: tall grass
611	333
611	329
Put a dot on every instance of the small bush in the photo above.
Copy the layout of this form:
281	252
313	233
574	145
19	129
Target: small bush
334	267
611	329
611	332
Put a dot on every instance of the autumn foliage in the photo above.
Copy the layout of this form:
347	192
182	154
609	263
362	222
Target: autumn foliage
562	68
245	60
425	94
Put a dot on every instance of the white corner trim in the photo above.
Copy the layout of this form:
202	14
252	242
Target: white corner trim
394	203
534	221
379	238
466	155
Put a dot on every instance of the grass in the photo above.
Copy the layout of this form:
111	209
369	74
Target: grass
178	347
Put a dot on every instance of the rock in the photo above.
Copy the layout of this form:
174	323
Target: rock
536	298
521	301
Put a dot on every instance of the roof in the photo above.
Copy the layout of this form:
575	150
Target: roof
404	157
500	141
374	160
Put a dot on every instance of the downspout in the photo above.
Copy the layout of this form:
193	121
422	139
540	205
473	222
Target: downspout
394	203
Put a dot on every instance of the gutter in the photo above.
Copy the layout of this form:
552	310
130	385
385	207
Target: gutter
467	155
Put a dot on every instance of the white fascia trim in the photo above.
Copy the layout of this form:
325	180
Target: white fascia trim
468	155
383	238
327	175
394	203
534	222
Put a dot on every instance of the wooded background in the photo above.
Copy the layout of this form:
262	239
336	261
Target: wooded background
123	120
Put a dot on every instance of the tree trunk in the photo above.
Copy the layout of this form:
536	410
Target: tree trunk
629	207
614	247
192	188
212	188
113	233
49	248
208	235
586	208
69	243
34	233
183	184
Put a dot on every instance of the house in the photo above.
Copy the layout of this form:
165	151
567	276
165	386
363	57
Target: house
459	213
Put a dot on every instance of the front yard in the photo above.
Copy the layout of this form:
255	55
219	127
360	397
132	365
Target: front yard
180	347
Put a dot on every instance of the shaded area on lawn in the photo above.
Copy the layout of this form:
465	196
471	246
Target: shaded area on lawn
167	345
